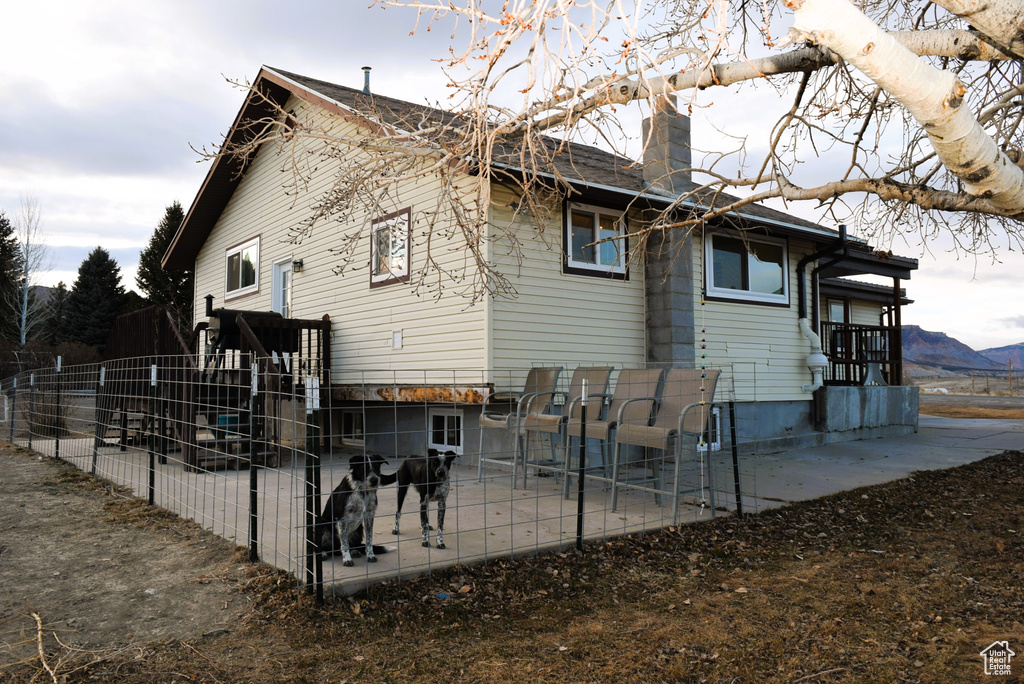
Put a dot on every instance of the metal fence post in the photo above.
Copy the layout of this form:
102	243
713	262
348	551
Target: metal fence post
152	442
14	395
56	428
582	469
253	475
97	439
314	565
735	459
31	405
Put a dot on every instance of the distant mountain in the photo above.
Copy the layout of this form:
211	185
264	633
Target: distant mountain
926	348
1013	352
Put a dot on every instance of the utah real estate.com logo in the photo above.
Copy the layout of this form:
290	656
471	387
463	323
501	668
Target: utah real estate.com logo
997	658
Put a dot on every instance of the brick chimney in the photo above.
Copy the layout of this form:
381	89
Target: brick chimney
669	284
667	157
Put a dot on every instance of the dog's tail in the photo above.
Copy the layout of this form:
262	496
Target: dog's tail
383	549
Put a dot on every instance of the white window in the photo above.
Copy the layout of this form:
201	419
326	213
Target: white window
243	268
445	432
595	241
389	248
352	428
749	268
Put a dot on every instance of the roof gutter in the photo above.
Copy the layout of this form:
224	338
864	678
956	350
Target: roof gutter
685	203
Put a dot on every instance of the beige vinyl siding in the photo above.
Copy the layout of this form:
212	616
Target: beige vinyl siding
557	318
760	345
438	333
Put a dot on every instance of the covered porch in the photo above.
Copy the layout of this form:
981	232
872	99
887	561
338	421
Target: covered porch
859	352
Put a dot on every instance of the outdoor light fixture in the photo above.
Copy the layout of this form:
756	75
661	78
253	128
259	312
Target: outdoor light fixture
297	266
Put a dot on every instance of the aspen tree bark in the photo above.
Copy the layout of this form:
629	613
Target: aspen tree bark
935	98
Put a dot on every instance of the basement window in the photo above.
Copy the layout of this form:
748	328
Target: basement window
243	269
749	268
445	430
352	428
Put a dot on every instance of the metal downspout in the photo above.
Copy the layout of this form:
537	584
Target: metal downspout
801	268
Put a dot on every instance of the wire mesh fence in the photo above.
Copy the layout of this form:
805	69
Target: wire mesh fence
540	458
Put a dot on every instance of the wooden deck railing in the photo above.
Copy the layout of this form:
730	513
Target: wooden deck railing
856	351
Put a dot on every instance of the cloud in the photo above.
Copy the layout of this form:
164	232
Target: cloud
1015	322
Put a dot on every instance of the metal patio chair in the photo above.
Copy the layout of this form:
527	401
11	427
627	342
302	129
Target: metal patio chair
635	386
507	410
683	409
553	424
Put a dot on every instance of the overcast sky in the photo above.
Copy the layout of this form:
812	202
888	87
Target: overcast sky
104	99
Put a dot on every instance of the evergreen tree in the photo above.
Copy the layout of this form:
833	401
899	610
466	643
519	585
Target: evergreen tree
10	279
172	290
95	300
55	323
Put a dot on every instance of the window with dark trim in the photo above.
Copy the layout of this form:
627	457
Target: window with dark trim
389	248
749	268
352	427
595	241
838	311
243	269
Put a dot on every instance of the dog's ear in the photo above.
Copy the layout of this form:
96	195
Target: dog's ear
358	464
377	458
432	453
450	456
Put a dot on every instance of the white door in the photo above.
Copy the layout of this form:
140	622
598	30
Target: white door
281	294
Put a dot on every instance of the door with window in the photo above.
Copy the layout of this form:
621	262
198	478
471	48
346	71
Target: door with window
281	296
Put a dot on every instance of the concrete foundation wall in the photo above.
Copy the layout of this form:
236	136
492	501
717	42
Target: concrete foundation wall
856	408
848	414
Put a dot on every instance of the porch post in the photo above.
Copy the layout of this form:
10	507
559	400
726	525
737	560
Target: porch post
897	351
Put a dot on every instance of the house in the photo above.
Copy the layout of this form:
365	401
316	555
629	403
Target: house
757	303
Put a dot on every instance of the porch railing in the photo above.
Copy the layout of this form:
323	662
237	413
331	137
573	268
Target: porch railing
861	354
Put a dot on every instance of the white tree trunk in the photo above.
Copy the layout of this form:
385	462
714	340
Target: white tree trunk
932	96
1000	20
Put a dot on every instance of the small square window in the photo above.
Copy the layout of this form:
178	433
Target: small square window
595	241
243	269
389	248
445	430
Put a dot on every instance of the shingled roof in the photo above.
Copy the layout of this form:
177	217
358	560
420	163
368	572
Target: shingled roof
590	167
592	170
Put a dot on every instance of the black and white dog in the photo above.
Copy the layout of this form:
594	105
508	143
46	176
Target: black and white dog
430	477
348	513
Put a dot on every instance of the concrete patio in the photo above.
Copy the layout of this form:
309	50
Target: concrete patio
488	519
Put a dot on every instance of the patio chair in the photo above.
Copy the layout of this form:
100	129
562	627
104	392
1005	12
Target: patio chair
683	408
637	387
506	411
553	424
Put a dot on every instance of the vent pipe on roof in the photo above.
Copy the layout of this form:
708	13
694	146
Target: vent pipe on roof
366	80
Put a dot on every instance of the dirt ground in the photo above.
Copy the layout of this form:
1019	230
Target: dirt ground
903	582
99	569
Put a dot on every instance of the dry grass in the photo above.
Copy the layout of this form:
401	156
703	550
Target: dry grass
964	411
902	582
